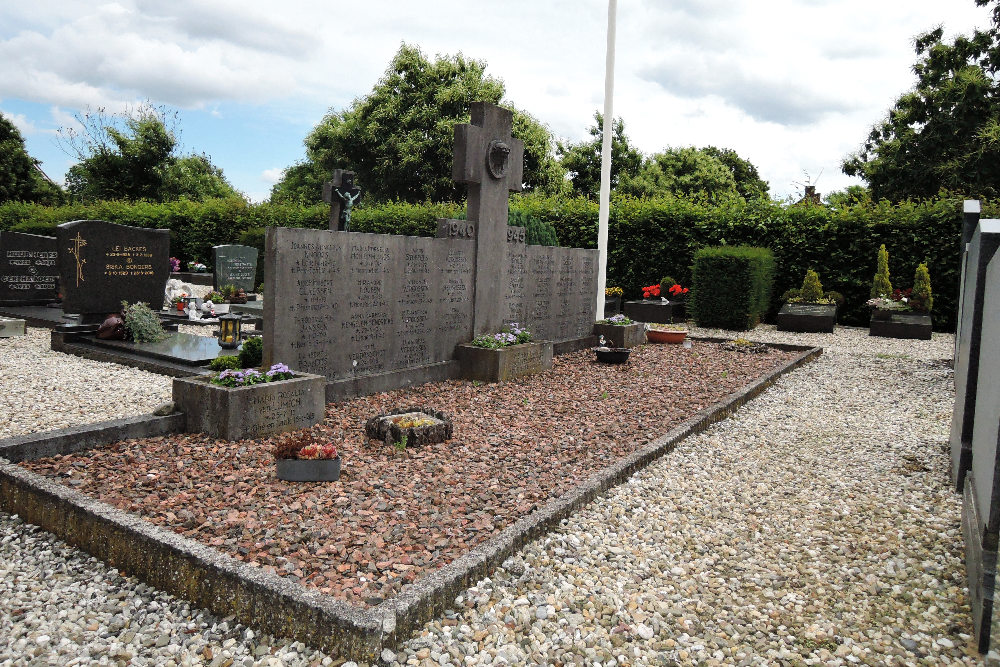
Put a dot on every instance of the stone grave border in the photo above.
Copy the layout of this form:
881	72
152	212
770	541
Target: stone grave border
226	586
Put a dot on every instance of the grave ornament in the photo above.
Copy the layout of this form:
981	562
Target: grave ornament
341	194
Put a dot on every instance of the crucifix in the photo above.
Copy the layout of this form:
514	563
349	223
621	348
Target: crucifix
491	161
340	193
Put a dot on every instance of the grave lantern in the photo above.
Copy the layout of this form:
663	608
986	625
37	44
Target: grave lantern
229	334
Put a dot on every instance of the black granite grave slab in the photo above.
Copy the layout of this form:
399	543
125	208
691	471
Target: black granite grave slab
180	348
39	316
894	324
28	271
235	265
102	264
807	317
655	311
982	248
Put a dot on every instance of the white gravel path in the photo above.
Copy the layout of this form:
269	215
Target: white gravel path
814	527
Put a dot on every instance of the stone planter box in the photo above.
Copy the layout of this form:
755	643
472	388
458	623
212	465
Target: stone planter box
628	335
612	305
308	470
655	311
896	324
385	428
507	363
256	411
808	317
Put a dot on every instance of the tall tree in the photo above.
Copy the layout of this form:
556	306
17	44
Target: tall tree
20	178
748	181
945	132
134	155
684	171
398	138
583	160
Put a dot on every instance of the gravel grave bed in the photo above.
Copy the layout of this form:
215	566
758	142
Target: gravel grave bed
396	514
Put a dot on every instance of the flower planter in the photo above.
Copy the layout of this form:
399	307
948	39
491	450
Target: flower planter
612	305
808	317
612	355
506	363
386	428
254	411
666	336
900	324
180	306
628	335
308	470
655	310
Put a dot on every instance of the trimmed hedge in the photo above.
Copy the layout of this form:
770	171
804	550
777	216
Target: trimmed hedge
649	238
731	286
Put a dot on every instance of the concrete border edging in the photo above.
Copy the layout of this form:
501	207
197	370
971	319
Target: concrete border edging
227	586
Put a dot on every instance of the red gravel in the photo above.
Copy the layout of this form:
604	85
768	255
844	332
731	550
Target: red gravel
394	515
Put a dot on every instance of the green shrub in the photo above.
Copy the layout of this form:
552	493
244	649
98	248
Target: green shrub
225	362
536	232
921	298
812	288
880	284
665	284
731	286
141	323
252	353
35	227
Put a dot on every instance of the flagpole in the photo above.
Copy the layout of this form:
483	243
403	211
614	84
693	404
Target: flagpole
605	198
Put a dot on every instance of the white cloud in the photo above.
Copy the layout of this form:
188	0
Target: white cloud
272	176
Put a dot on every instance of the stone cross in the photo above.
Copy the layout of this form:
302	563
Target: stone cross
492	163
340	193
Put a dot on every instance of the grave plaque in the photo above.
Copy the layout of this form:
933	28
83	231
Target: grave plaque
28	271
235	265
102	264
981	503
981	249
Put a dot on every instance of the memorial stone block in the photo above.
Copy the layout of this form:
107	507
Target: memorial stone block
981	505
981	249
102	264
28	271
235	265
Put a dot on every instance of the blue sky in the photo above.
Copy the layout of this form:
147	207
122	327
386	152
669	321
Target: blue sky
793	87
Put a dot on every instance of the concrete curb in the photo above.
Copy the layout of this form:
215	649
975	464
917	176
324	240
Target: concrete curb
226	586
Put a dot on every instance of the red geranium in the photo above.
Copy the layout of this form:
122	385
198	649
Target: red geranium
677	290
652	290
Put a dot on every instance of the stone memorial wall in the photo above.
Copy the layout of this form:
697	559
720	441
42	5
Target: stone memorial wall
28	272
550	290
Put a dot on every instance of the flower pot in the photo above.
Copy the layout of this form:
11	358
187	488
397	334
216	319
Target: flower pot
308	470
180	306
616	335
612	355
666	336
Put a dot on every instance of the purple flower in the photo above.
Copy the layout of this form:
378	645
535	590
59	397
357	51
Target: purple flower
278	368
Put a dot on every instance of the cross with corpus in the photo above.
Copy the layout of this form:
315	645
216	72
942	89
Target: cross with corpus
340	193
491	161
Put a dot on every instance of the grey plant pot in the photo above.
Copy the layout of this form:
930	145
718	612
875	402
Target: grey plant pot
308	470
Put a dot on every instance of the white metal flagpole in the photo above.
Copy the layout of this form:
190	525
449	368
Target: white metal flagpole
602	220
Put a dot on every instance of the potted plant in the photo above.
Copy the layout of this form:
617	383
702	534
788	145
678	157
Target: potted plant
651	292
611	355
141	324
900	313
175	265
620	331
194	266
504	355
232	294
217	302
298	459
667	333
178	301
809	308
659	303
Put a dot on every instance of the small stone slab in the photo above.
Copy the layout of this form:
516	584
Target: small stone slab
254	411
235	265
807	317
506	363
900	325
629	335
181	348
393	426
652	311
11	327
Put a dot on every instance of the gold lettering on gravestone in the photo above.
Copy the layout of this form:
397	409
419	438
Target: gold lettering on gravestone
128	261
78	243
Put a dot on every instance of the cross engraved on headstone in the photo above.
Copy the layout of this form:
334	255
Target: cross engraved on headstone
491	161
341	194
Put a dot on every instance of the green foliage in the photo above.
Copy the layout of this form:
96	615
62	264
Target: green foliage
749	184
921	297
225	362
881	286
944	134
20	179
536	232
399	138
251	354
666	283
686	172
812	289
133	156
32	227
583	160
731	286
141	323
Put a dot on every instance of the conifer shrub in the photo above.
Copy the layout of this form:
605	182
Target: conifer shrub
252	353
880	284
921	298
812	288
731	286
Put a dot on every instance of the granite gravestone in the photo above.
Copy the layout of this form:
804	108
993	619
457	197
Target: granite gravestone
981	249
102	264
235	265
981	498
970	218
374	312
28	272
